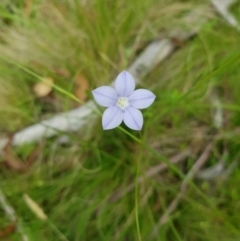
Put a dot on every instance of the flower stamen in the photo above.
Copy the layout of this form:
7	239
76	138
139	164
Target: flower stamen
122	102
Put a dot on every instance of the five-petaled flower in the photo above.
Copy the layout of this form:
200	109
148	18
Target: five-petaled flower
123	102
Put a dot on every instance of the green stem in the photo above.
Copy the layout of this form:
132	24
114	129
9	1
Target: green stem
136	203
129	134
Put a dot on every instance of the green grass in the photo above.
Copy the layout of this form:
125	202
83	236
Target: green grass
74	183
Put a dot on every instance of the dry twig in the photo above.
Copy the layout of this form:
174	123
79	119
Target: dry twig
173	205
222	7
214	171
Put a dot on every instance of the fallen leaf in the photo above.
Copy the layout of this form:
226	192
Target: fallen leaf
44	87
11	160
82	86
8	230
35	208
61	72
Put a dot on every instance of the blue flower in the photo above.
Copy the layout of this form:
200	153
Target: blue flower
123	102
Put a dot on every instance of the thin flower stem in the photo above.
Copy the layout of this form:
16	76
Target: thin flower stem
163	158
129	134
136	203
169	164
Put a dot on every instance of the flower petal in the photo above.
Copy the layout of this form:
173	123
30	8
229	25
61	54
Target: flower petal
141	98
124	84
133	118
105	96
112	117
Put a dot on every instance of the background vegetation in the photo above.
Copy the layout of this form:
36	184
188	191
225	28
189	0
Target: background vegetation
79	180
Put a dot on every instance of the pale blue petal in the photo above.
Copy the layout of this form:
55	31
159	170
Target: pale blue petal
105	96
124	84
141	98
112	117
133	118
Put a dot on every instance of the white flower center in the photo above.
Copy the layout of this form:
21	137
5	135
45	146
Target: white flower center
122	102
